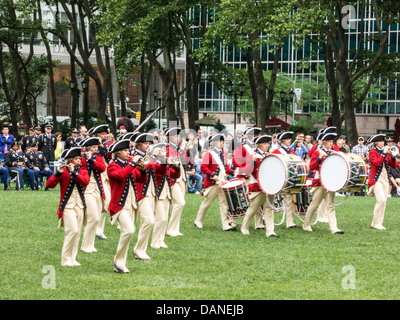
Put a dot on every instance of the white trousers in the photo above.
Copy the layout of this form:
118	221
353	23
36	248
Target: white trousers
320	193
94	204
147	220
178	191
127	230
72	222
105	203
210	194
258	200
161	211
381	191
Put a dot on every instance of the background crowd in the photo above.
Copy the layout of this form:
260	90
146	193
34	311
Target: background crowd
31	148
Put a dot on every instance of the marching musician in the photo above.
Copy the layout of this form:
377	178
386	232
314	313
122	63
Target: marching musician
71	210
168	171
322	209
146	193
176	148
101	132
94	192
243	160
284	148
381	160
319	192
257	197
123	175
215	166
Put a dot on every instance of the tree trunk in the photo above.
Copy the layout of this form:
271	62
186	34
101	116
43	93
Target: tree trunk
252	81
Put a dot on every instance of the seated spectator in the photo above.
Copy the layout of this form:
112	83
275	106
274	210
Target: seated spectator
394	176
4	176
194	180
36	161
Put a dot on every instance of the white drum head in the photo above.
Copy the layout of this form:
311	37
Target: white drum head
272	175
233	183
334	172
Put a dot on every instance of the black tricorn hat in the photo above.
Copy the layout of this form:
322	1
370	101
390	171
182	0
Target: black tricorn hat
377	138
71	153
120	145
216	137
329	136
252	131
285	135
98	129
144	137
89	142
172	131
262	139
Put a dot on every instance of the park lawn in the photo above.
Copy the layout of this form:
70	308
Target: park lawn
206	264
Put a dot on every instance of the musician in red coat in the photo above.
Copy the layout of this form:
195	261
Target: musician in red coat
285	140
101	132
215	166
177	148
94	192
318	191
381	160
123	174
146	192
243	155
169	171
71	210
257	197
242	159
318	143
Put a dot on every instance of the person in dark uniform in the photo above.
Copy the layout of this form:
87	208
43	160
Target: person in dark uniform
48	143
4	176
36	161
28	140
15	161
73	140
37	132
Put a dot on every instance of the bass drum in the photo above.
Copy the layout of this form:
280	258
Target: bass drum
343	172
280	173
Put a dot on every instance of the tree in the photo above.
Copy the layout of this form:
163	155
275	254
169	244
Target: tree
249	26
330	21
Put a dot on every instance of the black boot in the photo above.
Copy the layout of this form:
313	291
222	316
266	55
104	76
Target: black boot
6	188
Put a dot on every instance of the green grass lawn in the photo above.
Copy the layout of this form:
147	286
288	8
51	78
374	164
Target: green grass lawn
206	264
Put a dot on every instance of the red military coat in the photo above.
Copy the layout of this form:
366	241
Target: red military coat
165	176
279	151
254	186
96	163
243	159
152	168
173	152
117	175
209	166
377	162
315	146
66	180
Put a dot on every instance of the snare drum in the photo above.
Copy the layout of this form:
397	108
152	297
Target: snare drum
282	173
343	172
236	197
